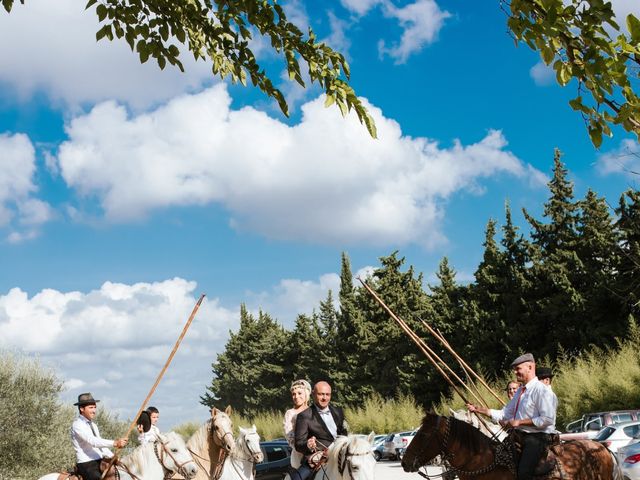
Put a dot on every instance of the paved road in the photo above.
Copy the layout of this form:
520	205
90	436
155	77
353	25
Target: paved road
386	470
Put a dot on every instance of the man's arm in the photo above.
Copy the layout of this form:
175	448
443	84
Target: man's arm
302	434
341	423
84	433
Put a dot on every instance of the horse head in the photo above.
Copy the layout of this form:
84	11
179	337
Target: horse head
249	442
353	458
173	455
221	429
426	444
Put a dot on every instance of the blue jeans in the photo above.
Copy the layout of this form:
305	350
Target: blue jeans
303	472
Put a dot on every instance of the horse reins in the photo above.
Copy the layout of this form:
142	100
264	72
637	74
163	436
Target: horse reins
251	460
218	465
168	473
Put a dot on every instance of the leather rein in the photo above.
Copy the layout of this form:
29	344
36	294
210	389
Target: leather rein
448	456
162	453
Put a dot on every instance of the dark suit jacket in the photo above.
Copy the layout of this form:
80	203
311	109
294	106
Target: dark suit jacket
310	424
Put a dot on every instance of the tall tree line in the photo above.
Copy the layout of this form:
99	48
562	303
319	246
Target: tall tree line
570	282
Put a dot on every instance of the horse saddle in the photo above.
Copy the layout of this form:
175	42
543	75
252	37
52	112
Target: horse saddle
512	447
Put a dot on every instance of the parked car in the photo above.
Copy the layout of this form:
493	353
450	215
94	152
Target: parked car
619	435
276	461
629	460
395	441
596	421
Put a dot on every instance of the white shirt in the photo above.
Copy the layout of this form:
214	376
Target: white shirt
328	420
150	436
537	402
88	446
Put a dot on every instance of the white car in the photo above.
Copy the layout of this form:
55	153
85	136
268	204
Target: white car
629	460
619	435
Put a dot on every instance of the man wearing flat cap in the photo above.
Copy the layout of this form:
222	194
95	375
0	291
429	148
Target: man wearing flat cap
89	446
532	412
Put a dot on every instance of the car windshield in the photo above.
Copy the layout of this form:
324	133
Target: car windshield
604	433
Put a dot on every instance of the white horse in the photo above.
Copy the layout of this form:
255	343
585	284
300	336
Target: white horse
166	456
349	458
241	462
487	427
211	443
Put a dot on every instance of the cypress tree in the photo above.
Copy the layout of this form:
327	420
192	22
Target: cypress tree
248	373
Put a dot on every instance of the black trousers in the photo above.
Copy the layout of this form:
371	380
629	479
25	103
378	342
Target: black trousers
533	447
90	470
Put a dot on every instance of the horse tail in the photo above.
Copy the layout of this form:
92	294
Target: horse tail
616	474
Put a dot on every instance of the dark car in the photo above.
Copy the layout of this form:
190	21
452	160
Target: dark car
276	461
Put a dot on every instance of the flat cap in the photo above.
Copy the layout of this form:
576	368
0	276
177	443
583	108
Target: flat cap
544	372
527	357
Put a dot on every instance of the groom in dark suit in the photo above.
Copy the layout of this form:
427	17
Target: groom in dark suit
317	427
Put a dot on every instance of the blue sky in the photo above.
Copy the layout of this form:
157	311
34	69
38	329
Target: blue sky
126	191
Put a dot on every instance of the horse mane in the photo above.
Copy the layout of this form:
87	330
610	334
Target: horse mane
469	435
200	437
463	433
139	458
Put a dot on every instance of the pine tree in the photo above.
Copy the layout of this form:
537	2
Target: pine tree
627	285
485	311
557	303
599	252
249	373
516	290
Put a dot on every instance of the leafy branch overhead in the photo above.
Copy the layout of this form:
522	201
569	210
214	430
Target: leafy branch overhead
583	41
220	31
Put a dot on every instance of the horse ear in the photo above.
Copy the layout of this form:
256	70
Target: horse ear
228	410
371	436
214	412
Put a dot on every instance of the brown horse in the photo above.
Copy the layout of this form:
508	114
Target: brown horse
473	455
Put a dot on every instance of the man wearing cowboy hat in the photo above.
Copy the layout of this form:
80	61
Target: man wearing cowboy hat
531	412
89	446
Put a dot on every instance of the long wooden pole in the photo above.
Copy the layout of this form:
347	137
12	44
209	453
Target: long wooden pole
419	343
462	362
134	422
413	337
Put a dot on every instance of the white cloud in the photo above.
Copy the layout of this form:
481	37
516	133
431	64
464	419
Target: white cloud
323	180
542	74
113	341
20	212
624	160
293	296
360	7
51	47
421	21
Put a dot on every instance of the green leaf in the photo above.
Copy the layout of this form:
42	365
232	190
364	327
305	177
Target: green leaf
634	28
90	3
105	31
101	11
595	132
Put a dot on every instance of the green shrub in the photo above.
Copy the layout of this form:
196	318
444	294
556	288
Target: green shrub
384	415
34	425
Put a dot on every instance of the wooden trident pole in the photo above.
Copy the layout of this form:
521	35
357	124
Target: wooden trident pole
160	375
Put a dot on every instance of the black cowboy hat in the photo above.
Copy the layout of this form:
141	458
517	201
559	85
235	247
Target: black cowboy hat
145	420
544	372
85	399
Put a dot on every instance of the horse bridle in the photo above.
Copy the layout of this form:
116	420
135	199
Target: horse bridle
163	452
343	457
447	457
252	459
222	455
